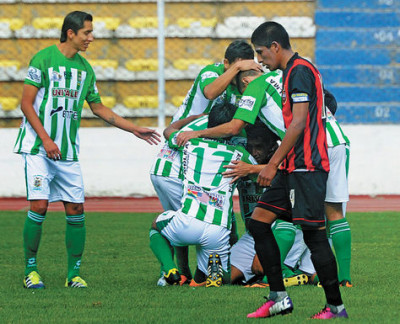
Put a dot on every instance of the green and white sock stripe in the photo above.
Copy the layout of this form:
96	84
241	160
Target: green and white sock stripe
337	228
152	232
36	217
283	225
75	219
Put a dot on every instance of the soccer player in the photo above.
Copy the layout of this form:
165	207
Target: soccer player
214	83
299	187
204	218
261	144
58	82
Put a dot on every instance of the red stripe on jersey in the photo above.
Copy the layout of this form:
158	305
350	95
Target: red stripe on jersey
307	148
319	149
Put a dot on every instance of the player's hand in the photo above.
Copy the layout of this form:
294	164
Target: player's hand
149	135
245	65
236	169
266	175
184	137
52	150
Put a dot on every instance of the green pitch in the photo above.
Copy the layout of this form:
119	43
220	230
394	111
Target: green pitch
122	273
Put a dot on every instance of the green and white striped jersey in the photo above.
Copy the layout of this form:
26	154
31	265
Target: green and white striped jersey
196	103
263	98
334	133
207	195
63	83
168	160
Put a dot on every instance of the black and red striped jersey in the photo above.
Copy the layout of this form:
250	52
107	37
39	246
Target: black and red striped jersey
303	83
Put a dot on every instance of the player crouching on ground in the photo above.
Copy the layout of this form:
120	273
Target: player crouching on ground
205	218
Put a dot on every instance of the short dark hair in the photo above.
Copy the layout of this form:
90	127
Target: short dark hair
239	81
330	101
260	132
270	32
221	113
239	49
75	20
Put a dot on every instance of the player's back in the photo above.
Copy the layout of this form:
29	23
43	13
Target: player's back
207	194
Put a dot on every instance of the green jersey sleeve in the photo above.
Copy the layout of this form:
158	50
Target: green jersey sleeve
251	102
172	140
209	74
93	93
35	75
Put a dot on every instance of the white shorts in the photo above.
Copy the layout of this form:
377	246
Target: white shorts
337	188
169	191
242	255
182	230
53	180
299	255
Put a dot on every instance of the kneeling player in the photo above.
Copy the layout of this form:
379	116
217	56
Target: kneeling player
204	219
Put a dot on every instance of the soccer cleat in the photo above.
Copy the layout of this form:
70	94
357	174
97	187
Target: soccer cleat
162	282
76	282
184	280
33	281
298	280
346	283
195	284
214	270
173	277
272	308
327	313
257	284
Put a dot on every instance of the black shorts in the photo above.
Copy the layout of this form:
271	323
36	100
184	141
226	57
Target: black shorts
298	197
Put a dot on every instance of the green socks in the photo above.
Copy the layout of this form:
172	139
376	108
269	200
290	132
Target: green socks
32	234
341	240
285	234
162	250
75	236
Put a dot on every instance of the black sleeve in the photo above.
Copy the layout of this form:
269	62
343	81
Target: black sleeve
302	81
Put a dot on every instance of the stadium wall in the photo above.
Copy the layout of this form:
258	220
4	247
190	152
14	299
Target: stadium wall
115	163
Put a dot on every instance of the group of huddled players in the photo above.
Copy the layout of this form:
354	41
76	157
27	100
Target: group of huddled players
273	136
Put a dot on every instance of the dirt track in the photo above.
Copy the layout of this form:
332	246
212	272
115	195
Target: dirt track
152	204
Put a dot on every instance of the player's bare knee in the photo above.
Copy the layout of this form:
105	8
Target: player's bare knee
236	275
154	224
73	208
334	211
39	206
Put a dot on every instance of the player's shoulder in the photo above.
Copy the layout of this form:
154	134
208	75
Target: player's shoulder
46	52
216	67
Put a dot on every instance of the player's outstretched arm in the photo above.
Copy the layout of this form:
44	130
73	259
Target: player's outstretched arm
149	135
28	97
225	130
175	126
215	88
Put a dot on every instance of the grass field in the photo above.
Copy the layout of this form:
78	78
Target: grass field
122	272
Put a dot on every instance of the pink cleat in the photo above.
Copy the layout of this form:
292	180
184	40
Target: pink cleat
327	313
272	308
